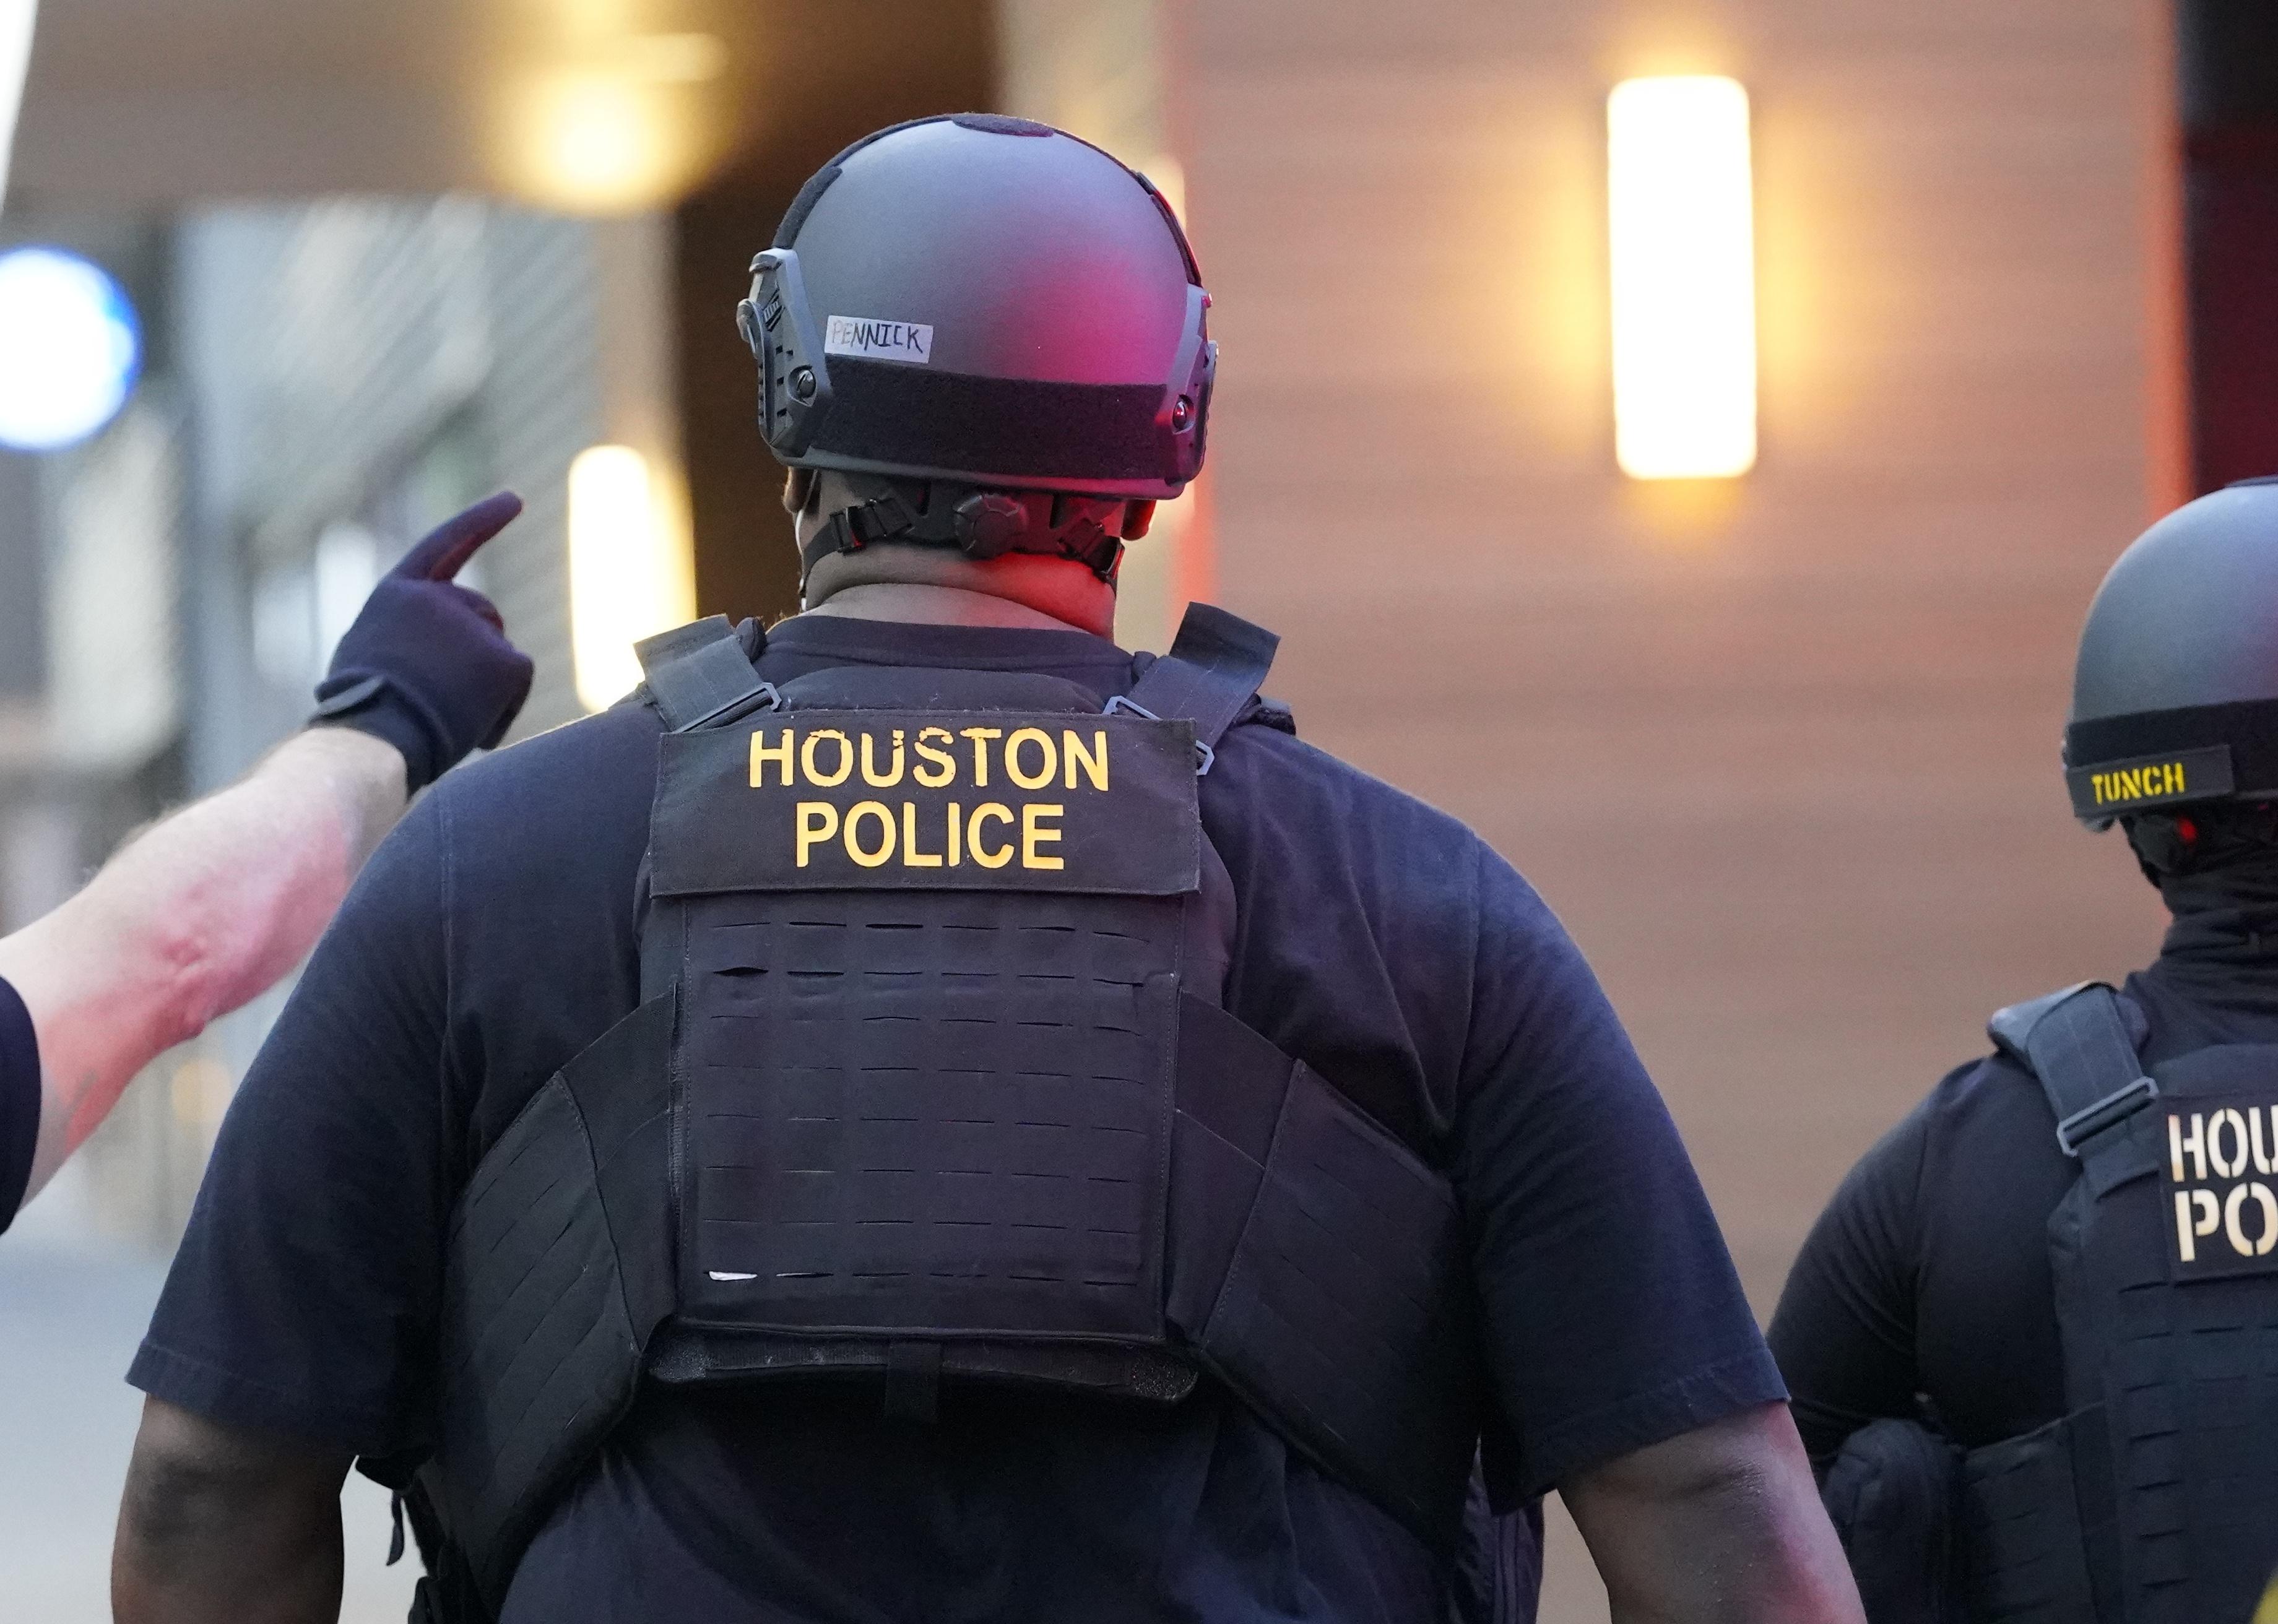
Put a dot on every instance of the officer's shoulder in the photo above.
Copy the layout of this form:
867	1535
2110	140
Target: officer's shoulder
1966	1085
560	773
1284	771
1993	1093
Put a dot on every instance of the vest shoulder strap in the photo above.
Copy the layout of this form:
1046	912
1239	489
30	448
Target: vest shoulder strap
700	674
1212	673
2078	1048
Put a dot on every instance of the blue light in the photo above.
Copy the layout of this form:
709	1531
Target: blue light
70	349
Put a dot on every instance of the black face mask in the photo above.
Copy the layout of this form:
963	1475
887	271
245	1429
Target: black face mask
2221	839
2220	884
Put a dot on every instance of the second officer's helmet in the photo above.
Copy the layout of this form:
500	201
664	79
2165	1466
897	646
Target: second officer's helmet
990	303
2175	693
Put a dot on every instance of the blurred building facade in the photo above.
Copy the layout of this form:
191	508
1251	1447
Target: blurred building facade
329	379
1781	749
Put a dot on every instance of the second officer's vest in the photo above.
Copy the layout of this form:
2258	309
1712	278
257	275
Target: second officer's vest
930	1085
2155	1499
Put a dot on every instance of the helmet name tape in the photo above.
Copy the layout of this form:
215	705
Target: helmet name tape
880	340
2106	790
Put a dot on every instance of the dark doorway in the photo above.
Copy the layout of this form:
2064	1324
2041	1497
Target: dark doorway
854	69
2227	58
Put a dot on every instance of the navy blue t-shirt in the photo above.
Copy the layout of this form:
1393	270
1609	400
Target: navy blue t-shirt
493	936
19	1102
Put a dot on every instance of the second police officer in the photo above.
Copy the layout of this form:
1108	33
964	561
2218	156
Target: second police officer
2034	1339
919	1114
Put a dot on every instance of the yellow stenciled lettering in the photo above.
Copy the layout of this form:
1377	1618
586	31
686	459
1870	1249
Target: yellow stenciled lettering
2226	1166
2235	1231
1095	764
870	775
988	812
2103	782
866	857
2205	1214
1044	741
2174	778
762	752
2195	1142
818	820
1034	833
938	765
981	737
845	758
956	835
911	857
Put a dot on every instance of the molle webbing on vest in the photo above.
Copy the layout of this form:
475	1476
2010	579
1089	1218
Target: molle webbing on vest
928	1018
1319	1269
2023	1555
926	1114
940	1108
2155	1499
557	1270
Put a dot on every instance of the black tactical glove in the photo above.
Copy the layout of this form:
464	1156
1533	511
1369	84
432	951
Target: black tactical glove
426	666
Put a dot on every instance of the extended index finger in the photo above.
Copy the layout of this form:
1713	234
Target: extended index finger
442	551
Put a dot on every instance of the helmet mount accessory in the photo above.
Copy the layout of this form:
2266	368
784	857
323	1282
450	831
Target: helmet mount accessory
795	392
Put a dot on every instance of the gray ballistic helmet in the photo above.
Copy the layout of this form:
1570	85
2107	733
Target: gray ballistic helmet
2175	698
984	300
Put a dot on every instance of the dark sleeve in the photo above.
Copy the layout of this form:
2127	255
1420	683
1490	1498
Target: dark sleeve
1844	1332
19	1102
1612	1313
303	1297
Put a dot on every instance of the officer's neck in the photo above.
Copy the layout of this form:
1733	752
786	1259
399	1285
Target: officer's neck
1023	591
2227	919
937	606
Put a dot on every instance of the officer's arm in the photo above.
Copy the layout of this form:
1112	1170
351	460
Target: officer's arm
211	906
192	919
1719	1524
227	1525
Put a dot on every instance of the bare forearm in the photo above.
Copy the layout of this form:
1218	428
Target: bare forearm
1723	1526
234	890
194	918
218	1527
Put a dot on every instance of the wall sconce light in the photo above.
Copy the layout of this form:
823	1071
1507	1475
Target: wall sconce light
1681	227
628	578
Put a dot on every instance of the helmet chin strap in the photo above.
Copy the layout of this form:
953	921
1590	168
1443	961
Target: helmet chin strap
982	523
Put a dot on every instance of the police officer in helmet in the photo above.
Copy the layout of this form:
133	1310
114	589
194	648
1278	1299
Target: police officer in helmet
2031	1339
919	1114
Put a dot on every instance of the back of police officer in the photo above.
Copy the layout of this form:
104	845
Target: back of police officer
920	1114
2033	1342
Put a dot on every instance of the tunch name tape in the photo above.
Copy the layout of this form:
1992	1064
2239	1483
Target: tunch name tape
2109	789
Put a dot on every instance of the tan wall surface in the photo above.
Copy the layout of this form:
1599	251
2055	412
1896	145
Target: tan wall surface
1783	754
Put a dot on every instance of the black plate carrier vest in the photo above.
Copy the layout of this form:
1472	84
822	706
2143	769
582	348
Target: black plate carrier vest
927	1086
2155	1499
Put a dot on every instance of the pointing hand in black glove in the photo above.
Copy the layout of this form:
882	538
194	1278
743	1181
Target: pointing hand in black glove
427	667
